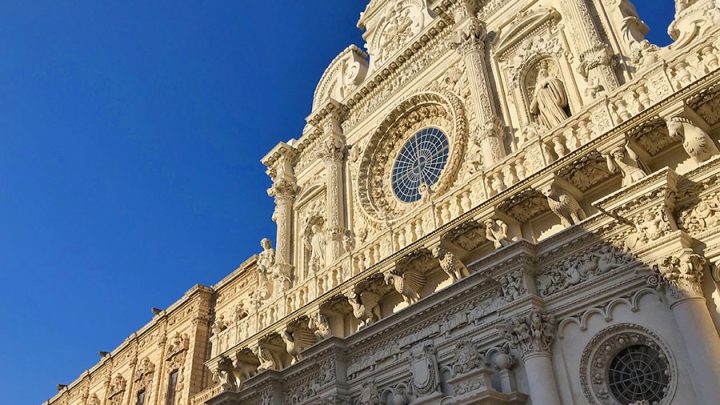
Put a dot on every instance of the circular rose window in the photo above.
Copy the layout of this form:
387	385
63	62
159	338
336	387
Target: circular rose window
420	162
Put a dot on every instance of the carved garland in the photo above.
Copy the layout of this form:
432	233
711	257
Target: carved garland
441	109
603	348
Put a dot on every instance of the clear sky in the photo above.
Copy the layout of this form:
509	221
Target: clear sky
131	133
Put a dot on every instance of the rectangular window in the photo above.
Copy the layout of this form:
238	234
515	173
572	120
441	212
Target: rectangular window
172	385
140	397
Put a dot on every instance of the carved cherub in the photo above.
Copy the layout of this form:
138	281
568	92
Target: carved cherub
653	225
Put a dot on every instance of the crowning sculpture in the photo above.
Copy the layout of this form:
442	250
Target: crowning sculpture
492	184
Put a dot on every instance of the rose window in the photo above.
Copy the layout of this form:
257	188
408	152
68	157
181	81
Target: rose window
638	373
420	162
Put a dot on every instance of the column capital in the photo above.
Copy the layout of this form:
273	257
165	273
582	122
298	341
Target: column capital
530	334
470	36
283	189
332	148
680	275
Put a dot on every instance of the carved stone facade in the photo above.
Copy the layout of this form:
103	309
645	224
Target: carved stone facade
499	203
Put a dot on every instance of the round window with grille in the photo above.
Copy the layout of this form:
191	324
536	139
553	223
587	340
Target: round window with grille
628	364
420	162
638	373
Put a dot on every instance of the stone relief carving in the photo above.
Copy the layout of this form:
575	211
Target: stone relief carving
424	369
342	77
266	358
579	268
368	394
394	28
703	216
530	333
650	225
315	245
680	275
512	286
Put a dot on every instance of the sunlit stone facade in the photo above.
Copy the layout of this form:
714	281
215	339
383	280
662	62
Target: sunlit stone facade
501	202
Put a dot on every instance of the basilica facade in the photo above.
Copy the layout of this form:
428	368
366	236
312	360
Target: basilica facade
496	202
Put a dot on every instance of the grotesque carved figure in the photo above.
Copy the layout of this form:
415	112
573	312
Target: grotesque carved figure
321	325
266	359
315	243
296	342
496	231
696	142
365	307
564	206
219	325
407	285
626	161
549	100
369	394
450	264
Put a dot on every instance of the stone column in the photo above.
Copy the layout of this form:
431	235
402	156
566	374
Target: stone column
332	152
284	190
595	54
532	336
681	277
470	42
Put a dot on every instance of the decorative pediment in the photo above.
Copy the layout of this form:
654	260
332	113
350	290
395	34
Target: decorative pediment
390	25
524	24
177	349
344	74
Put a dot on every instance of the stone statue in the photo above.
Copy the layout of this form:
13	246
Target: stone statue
565	207
450	264
315	243
265	262
321	325
496	231
549	99
624	159
265	358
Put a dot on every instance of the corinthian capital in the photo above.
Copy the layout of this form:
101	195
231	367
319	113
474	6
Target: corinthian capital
531	333
470	36
332	148
680	275
283	189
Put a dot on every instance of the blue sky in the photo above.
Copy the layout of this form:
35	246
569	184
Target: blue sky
129	163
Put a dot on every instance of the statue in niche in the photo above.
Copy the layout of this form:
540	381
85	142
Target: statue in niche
626	161
265	262
549	100
315	244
